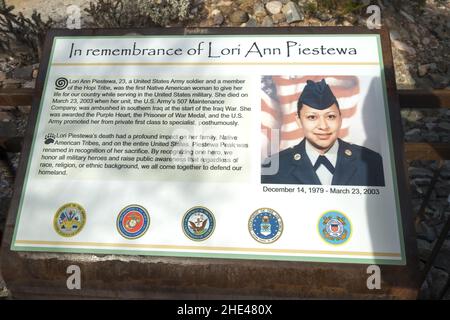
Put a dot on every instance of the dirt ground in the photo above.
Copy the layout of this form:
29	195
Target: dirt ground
54	8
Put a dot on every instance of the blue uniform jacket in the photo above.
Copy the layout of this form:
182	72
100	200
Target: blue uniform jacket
355	166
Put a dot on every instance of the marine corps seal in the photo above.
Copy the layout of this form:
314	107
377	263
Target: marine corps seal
133	221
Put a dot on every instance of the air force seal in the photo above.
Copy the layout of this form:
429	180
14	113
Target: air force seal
69	220
133	221
198	223
265	225
334	227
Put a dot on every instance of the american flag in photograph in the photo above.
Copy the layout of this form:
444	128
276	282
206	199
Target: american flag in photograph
279	98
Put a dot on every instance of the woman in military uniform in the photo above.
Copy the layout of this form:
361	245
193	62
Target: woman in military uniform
321	157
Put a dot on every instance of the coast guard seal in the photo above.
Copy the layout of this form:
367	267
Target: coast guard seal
133	221
198	223
69	220
334	227
265	225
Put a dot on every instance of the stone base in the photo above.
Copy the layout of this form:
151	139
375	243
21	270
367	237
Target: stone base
43	275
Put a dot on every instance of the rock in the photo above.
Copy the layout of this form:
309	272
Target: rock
35	73
414	30
430	119
420	172
23	73
322	16
426	41
413	115
4	292
433	66
362	21
2	76
293	12
424	292
424	248
351	18
407	16
279	18
434	43
421	265
444	125
217	17
445	173
194	11
251	23
434	285
442	191
447	294
8	108
225	3
247	6
422	182
226	10
24	109
394	35
404	47
3	289
437	280
347	23
442	66
239	17
6	117
422	70
274	7
445	167
8	128
258	10
412	133
439	81
446	245
267	22
29	84
441	32
433	196
416	191
11	84
425	232
431	137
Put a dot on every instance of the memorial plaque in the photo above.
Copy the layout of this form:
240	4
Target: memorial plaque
199	144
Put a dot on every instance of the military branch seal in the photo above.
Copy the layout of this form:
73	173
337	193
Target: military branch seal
69	220
265	225
334	227
133	221
198	223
